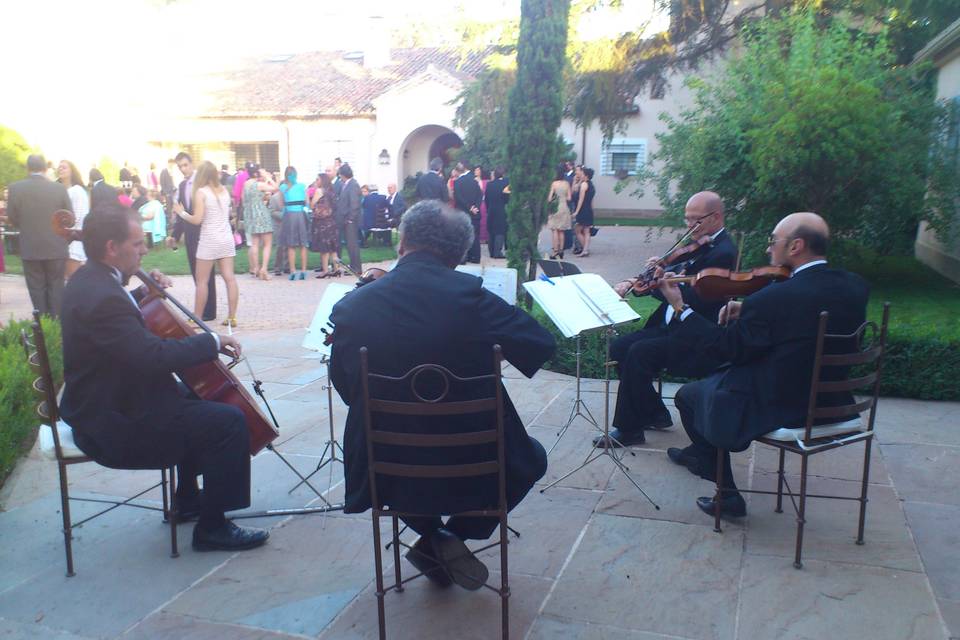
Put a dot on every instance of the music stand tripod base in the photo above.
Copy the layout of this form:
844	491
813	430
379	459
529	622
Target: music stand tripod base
579	408
332	446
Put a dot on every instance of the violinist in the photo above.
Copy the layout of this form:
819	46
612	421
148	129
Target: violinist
769	340
125	408
643	355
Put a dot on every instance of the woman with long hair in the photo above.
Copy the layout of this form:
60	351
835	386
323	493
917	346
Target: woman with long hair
293	232
324	237
257	218
211	210
584	213
69	176
559	221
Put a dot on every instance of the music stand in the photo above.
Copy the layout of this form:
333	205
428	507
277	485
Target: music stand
558	268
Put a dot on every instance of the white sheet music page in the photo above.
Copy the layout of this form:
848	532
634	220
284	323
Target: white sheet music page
331	296
579	303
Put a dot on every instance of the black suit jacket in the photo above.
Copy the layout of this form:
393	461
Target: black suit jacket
467	193
720	254
432	186
117	373
771	349
102	194
397	206
32	204
424	312
496	201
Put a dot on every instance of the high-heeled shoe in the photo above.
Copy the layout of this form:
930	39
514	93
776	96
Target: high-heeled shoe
322	274
302	276
263	275
293	276
230	322
336	274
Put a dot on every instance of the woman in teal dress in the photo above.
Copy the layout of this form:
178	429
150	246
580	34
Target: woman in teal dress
293	232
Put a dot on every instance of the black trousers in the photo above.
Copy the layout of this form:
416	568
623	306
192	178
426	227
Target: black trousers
495	246
44	280
642	356
686	399
467	528
191	238
473	254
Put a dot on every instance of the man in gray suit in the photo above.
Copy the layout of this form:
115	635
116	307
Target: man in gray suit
32	204
347	215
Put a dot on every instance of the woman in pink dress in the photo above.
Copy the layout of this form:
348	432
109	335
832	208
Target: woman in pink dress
211	210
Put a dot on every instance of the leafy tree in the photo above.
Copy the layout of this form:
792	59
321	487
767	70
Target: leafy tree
809	118
13	156
535	107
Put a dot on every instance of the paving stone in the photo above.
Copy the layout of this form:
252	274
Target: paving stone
950	610
843	463
557	412
296	371
917	421
13	630
297	583
672	487
925	473
569	454
655	576
936	529
271	481
830	532
553	628
531	397
168	626
425	612
830	599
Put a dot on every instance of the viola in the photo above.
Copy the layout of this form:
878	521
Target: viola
646	282
721	284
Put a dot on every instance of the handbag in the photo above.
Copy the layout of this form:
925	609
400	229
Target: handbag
594	231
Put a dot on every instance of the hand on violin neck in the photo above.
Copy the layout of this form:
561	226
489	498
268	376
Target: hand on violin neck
623	287
163	280
230	346
729	313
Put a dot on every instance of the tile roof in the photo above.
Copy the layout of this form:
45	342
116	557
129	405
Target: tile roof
325	83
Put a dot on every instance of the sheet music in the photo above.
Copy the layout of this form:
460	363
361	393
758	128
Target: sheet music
500	281
579	303
331	296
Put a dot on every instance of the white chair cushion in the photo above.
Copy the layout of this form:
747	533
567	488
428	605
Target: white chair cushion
67	445
787	434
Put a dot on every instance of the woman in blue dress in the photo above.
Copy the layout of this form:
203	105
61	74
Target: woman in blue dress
293	232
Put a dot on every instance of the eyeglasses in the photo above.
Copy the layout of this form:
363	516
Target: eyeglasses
772	240
701	218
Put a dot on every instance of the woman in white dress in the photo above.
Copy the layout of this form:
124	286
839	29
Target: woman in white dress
72	181
211	210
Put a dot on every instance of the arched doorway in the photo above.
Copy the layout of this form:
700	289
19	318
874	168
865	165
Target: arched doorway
424	143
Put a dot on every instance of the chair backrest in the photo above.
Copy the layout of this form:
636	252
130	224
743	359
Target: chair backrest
441	405
868	346
43	385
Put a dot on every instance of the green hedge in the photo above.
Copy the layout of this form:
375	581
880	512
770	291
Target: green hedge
18	419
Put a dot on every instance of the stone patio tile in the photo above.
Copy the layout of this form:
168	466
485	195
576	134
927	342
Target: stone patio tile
312	439
672	487
570	453
654	576
120	580
531	397
33	539
298	371
425	612
271	480
549	524
925	473
830	532
950	610
117	482
917	421
13	630
297	583
834	600
936	528
276	390
557	412
168	626
843	463
554	628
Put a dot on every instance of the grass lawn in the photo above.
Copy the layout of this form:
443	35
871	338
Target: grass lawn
629	222
174	263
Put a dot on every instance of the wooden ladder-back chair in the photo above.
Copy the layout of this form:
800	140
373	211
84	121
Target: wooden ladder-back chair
493	468
811	438
56	443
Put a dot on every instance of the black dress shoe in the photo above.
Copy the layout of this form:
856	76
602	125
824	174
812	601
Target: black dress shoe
730	506
464	567
422	556
228	537
686	459
619	439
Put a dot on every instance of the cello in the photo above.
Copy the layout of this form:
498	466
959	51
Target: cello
212	380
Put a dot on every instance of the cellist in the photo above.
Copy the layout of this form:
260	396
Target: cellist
121	399
643	355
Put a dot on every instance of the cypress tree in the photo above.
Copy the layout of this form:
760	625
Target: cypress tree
535	108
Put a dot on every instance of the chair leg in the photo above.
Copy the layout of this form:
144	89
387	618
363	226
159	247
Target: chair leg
65	512
801	512
863	488
163	495
779	508
174	513
396	552
718	494
378	568
504	581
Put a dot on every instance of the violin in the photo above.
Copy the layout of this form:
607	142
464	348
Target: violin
720	284
210	380
646	282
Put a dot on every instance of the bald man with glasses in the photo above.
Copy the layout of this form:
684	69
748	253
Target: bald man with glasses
646	354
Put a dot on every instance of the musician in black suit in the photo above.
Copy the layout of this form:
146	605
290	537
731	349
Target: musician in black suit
468	196
441	316
31	206
770	340
191	232
643	355
101	193
431	185
125	407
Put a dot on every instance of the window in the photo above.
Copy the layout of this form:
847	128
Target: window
623	156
